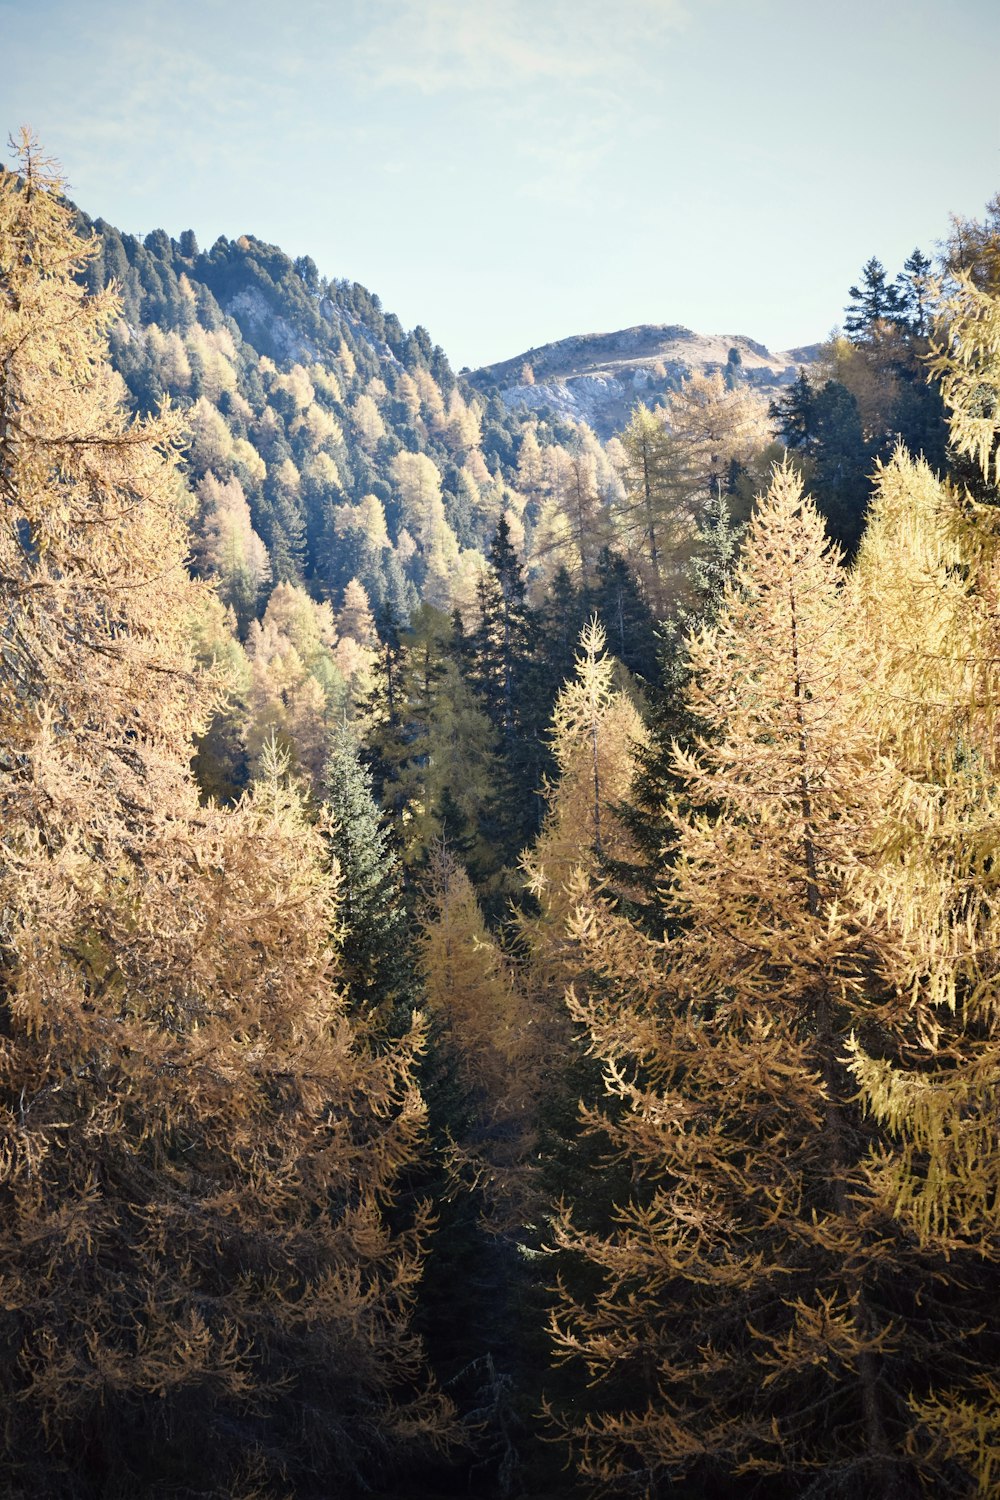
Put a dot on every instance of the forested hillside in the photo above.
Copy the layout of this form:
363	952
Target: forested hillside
498	955
348	487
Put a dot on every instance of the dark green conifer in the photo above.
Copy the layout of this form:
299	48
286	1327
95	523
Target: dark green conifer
625	615
376	959
876	301
503	638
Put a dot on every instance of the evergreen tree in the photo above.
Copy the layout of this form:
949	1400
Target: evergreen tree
560	618
503	636
915	289
625	615
842	462
670	722
792	413
506	679
375	959
435	747
824	427
876	302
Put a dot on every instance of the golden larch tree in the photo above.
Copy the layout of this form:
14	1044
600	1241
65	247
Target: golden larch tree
488	1025
927	581
596	731
201	1289
758	1309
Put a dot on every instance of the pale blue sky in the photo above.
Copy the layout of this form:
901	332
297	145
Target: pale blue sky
513	171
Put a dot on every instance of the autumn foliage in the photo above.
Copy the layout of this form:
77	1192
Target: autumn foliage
315	802
201	1287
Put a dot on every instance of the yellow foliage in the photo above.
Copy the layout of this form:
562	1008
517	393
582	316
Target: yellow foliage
197	1144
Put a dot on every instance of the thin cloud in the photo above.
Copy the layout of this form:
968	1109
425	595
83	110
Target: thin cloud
435	46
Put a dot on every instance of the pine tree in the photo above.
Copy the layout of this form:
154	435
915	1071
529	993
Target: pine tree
792	413
504	673
616	599
915	287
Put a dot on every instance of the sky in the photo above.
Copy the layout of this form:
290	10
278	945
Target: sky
509	172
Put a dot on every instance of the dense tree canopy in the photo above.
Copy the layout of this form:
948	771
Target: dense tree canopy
497	927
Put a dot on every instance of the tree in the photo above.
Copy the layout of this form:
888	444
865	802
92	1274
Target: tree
201	1286
653	507
296	687
596	733
926	584
489	1024
915	288
503	635
625	614
375	958
713	425
231	548
649	812
792	412
973	248
490	1059
842	460
822	425
579	507
876	302
435	744
966	364
754	1307
504	671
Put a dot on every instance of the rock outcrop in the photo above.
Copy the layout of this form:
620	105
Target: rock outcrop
598	378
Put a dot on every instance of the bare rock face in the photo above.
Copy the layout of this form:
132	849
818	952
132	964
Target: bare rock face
598	378
265	328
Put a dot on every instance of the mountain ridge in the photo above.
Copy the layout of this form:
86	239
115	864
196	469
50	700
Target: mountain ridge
598	377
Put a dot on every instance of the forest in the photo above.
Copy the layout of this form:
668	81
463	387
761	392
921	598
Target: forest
499	973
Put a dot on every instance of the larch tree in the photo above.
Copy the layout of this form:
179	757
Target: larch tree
434	744
487	1066
198	1150
757	1307
487	1022
927	582
231	549
653	516
965	361
715	425
596	733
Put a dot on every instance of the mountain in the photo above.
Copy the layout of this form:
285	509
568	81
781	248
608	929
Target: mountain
598	377
349	438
